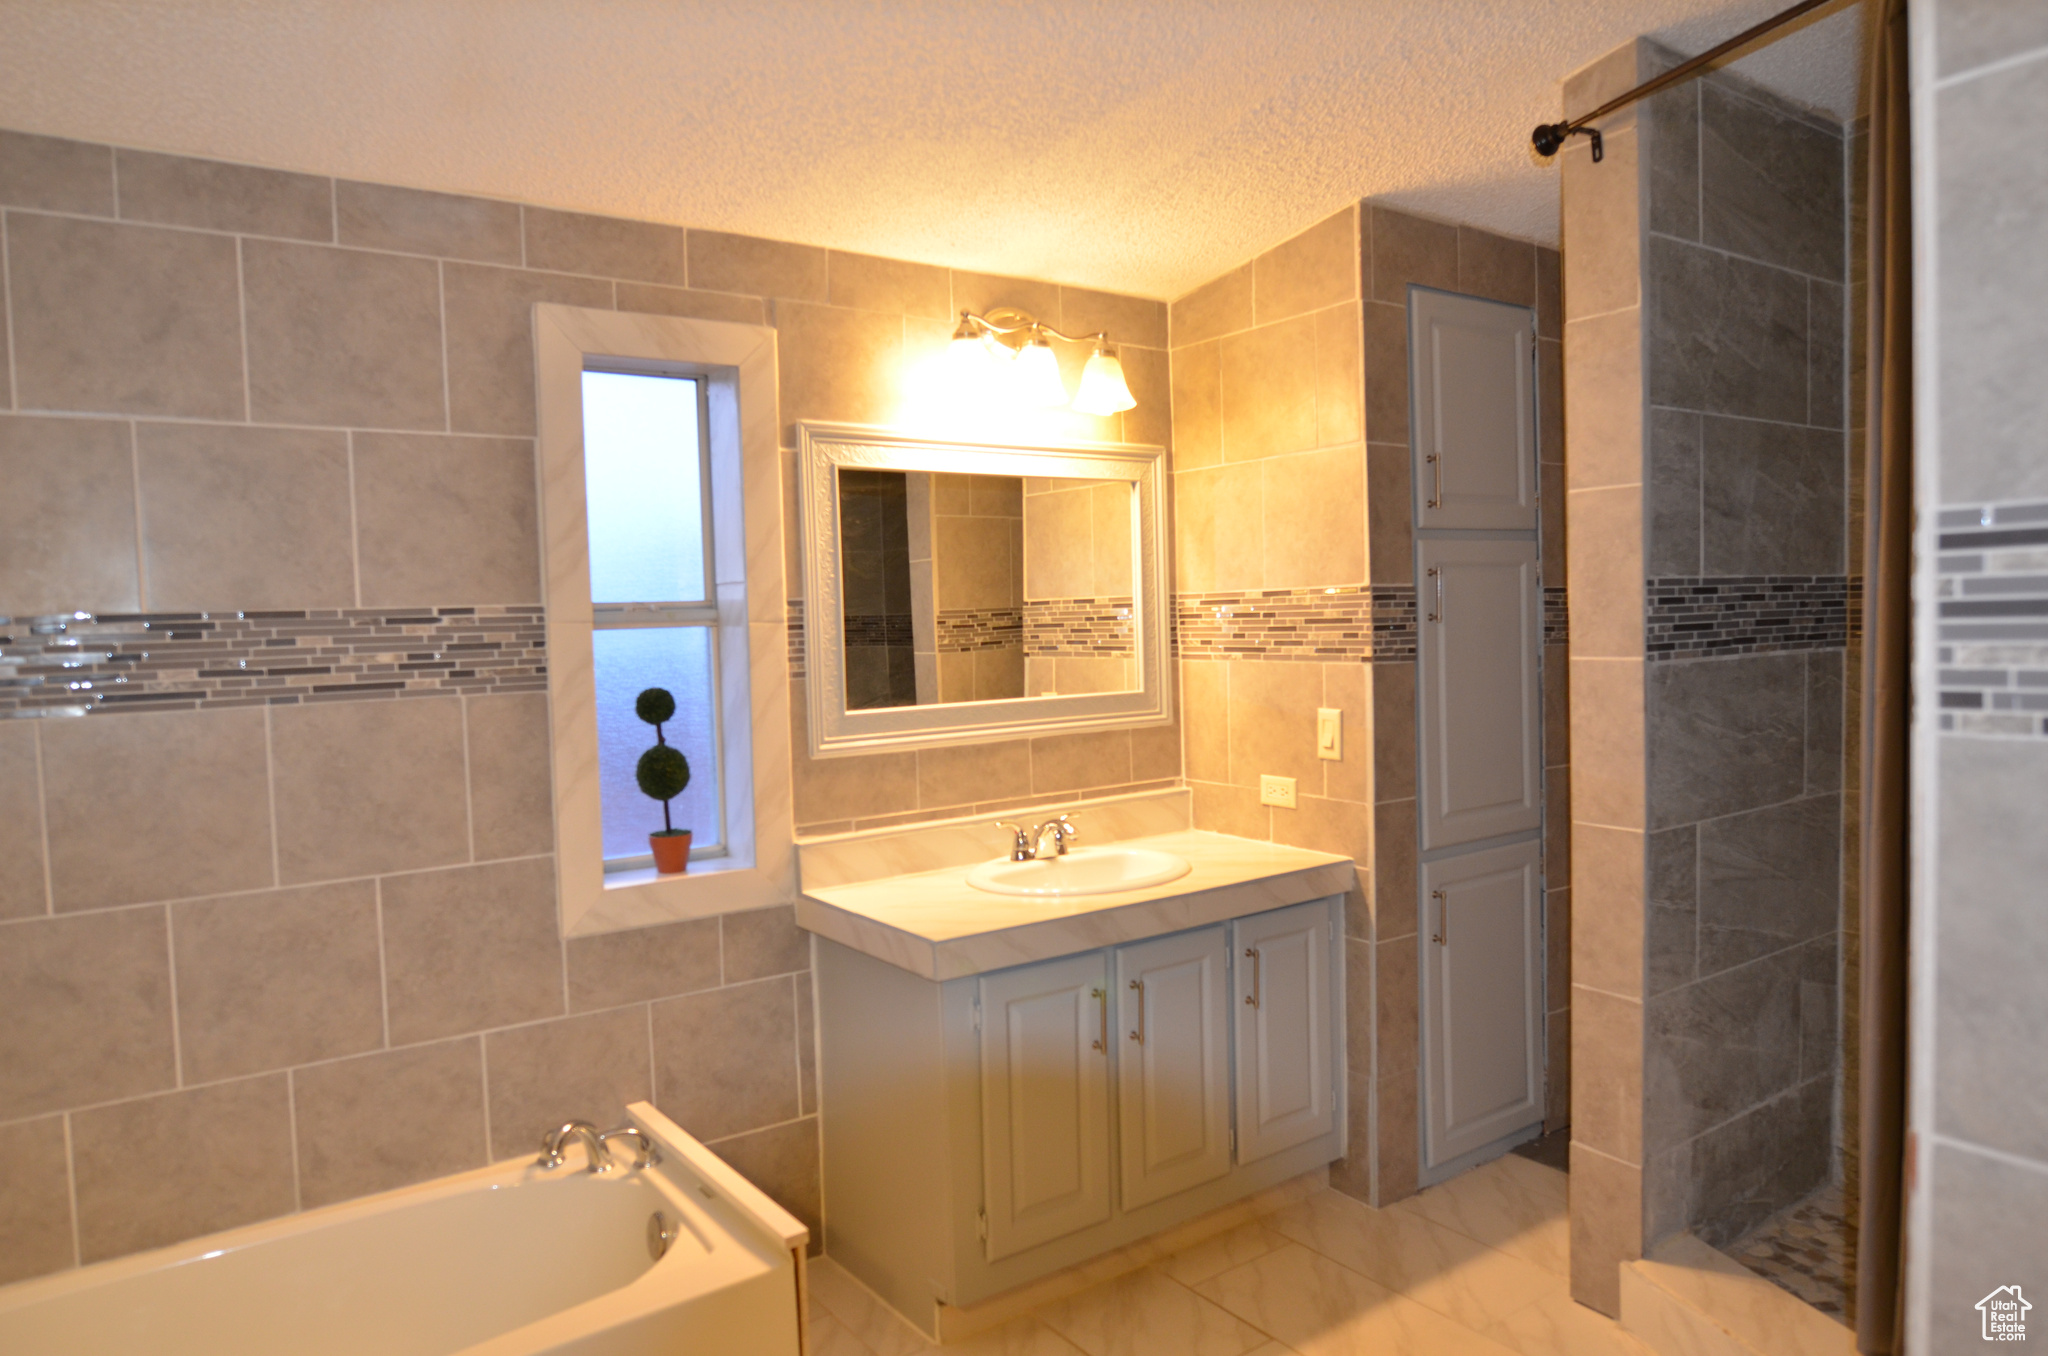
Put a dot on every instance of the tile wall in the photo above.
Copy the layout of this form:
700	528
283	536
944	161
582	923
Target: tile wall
273	946
1978	1186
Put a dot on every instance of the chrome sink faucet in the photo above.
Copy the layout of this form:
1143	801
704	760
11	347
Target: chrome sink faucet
1030	846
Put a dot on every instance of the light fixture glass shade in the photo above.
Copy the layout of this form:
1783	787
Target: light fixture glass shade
1103	388
966	359
1037	374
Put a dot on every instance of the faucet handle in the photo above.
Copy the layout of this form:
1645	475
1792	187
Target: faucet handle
551	1144
645	1154
1021	849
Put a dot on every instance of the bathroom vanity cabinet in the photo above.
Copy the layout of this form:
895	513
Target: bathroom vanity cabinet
985	1130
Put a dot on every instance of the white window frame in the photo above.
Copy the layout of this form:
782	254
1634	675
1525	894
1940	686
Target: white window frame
737	366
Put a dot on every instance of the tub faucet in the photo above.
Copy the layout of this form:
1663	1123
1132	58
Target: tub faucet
645	1155
551	1144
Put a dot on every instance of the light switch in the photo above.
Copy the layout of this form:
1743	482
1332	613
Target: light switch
1330	734
1277	791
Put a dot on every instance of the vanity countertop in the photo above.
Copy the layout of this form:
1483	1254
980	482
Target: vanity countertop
934	924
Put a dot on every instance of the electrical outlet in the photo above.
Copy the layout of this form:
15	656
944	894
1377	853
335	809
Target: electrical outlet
1277	791
1330	734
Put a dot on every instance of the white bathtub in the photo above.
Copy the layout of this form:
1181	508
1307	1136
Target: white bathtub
508	1260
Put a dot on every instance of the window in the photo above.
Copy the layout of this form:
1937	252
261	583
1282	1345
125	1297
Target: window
660	492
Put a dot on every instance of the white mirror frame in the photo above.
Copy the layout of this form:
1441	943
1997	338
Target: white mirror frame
836	731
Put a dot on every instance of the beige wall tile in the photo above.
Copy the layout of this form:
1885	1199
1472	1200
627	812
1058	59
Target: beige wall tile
56	175
762	942
654	299
1351	689
578	1068
642	963
176	190
1495	267
1223	305
470	948
1386	373
163	1169
244	518
853	787
1150	421
984	292
1197	406
1607	1227
91	1010
1235	525
35	1200
1340	826
1313	506
1557	705
1392	731
1605	554
725	1060
490	339
1205	713
1126	319
608	247
1194	530
1549	293
275	979
1557	1073
1272	714
388	1120
868	283
67	521
1393	875
160	805
1609	774
838	364
1390	513
1408	249
1557	935
342	337
1079	762
1602	223
1235	810
1317	268
382	217
744	263
1550	442
1155	752
1398	1007
24	891
1552	494
446	519
1607	882
1340	375
1557	822
807	1044
133	319
1607	1066
783	1161
1603	388
368	786
510	795
1268	379
965	773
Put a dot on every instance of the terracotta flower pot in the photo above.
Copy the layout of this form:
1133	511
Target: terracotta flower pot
671	851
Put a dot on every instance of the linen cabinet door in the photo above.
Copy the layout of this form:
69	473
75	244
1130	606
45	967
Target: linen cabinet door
1045	1100
1286	1090
1173	1064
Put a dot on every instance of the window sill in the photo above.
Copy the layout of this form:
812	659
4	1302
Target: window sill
646	898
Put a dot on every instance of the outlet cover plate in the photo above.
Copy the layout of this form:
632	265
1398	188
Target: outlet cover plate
1276	791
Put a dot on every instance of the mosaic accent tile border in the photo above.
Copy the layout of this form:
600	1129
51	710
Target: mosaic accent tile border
1351	623
878	628
77	663
796	636
1096	627
1557	628
1993	627
1696	617
980	628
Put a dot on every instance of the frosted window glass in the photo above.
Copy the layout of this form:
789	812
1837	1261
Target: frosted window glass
627	660
643	484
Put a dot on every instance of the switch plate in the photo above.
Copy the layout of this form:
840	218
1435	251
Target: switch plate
1330	734
1277	791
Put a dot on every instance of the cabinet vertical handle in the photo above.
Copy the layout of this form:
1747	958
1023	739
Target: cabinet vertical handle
1436	472
1102	999
1442	936
1436	573
1139	1034
1251	1000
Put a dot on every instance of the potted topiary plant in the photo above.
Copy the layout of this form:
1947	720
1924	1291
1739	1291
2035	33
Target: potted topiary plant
663	772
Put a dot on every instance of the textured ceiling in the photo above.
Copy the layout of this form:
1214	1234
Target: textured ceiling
1137	145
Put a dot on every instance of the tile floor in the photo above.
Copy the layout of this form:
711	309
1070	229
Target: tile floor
1475	1267
1809	1250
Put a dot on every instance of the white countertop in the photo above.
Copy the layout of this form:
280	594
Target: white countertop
933	923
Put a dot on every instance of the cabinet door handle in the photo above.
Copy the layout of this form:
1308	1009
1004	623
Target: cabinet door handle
1436	472
1251	1000
1442	936
1139	1034
1436	574
1102	999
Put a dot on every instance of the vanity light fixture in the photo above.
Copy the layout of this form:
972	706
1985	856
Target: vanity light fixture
1019	347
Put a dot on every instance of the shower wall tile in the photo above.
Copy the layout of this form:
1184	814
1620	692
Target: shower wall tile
1771	498
1827	319
1719	1046
157	1171
1672	125
1747	1170
584	1068
1672	910
67	521
470	948
474	497
92	1021
176	190
1724	735
350	1143
1674	494
511	808
55	175
124	319
35	1199
413	221
24	891
725	1061
1768	879
340	812
1726	335
1771	185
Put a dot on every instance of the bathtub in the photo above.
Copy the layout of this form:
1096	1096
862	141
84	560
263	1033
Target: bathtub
509	1260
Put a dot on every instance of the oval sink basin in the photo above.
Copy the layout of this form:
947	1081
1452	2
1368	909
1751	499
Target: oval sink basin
1084	871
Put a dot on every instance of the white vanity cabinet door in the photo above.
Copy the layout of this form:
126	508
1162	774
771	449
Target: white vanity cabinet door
1045	1100
1285	1085
1173	1063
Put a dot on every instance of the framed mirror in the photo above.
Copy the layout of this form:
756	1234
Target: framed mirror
957	591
